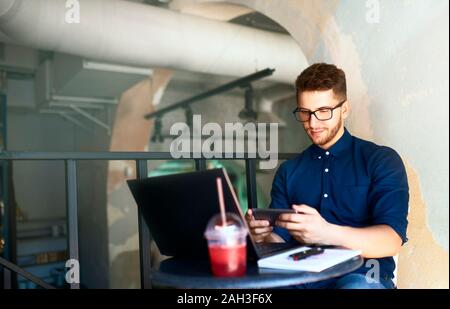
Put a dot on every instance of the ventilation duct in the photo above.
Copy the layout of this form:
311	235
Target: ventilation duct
136	34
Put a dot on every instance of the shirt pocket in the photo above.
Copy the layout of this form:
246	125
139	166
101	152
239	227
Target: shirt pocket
353	204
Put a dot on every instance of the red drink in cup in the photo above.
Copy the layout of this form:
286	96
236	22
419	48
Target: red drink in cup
228	261
227	246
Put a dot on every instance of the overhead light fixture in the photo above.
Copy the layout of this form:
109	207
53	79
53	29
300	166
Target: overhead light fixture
248	113
157	131
116	68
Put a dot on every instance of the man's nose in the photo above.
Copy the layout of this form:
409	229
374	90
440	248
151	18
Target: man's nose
313	121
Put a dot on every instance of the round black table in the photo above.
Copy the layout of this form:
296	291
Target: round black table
196	274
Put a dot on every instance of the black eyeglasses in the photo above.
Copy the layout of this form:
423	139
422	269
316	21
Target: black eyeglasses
322	114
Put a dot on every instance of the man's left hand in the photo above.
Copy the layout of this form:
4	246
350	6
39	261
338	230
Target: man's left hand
306	226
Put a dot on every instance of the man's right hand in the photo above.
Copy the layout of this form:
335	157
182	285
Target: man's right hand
259	229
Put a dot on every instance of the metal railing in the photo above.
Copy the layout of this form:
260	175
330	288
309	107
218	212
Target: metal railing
141	158
8	267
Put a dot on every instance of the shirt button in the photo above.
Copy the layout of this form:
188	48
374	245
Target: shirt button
319	157
326	170
325	195
327	153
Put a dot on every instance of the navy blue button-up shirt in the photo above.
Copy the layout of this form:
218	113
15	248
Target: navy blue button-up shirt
354	183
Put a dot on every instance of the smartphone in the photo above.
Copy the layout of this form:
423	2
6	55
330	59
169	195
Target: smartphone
305	253
270	214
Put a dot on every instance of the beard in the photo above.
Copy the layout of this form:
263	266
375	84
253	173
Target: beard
327	135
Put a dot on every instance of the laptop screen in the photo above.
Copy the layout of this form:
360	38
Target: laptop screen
177	209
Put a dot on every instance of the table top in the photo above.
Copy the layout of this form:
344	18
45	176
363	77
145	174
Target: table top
196	274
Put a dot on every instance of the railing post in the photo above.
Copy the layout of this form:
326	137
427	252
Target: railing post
144	235
72	214
6	278
200	164
250	175
9	218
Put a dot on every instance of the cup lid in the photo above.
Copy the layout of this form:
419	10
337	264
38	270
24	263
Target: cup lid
234	227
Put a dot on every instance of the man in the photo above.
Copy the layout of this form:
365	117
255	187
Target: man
346	191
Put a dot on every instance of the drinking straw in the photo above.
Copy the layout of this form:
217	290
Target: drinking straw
221	203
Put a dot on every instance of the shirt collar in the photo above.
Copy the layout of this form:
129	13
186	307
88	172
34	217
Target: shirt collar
342	144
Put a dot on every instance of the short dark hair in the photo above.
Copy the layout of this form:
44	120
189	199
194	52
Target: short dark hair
322	76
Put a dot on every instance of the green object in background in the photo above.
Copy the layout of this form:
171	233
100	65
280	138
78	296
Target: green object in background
234	170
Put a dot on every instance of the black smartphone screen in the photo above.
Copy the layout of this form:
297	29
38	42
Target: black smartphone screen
269	214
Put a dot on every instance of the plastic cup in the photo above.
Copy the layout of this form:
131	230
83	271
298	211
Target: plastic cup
227	246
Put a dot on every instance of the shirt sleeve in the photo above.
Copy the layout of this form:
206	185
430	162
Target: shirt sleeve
279	199
389	194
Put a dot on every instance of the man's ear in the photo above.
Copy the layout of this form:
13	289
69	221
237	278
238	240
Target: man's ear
345	109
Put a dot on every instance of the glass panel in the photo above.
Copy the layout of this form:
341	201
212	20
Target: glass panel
123	239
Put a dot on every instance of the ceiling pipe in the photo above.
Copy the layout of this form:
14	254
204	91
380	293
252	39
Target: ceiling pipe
136	34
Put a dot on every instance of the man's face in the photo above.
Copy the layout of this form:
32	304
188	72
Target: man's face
323	133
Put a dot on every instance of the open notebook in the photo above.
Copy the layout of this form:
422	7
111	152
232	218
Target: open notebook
314	263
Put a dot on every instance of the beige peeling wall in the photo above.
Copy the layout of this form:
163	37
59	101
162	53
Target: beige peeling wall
395	55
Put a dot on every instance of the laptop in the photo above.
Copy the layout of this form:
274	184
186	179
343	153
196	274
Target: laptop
177	209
